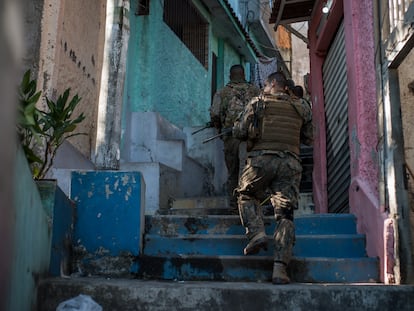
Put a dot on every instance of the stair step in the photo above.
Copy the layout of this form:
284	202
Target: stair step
200	211
172	225
131	295
202	206
346	246
257	268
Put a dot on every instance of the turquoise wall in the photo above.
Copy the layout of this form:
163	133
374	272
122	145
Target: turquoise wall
164	76
32	240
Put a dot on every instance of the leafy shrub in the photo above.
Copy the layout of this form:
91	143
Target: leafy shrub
41	133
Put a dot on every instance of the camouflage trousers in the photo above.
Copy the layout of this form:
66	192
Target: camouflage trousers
274	177
231	157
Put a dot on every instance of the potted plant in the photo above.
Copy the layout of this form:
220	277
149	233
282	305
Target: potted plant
42	132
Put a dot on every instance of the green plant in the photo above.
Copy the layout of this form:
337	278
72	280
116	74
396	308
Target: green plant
41	132
28	117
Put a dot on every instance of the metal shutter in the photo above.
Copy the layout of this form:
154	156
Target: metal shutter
336	113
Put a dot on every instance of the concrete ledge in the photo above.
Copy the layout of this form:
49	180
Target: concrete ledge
133	295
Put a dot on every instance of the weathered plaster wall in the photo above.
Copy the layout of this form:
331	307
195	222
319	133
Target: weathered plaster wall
32	238
230	58
406	76
33	10
79	61
10	52
163	75
363	125
109	226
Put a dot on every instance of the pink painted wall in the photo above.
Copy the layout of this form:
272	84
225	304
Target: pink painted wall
362	113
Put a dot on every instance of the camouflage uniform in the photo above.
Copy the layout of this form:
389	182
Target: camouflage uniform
227	104
273	170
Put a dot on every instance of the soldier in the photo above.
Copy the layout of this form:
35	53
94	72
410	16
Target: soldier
275	124
298	94
227	104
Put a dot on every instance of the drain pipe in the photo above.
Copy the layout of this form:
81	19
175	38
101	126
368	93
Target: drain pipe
108	137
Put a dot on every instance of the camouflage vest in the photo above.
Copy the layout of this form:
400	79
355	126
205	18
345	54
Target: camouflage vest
279	125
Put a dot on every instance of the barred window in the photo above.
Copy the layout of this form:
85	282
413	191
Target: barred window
188	24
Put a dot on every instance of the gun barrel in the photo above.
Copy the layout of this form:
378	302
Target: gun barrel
199	130
209	124
224	131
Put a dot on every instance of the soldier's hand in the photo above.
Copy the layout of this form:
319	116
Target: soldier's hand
280	201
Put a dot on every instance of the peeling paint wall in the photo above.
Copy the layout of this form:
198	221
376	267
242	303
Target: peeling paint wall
109	221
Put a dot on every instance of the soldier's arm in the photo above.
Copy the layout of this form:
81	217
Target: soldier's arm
243	122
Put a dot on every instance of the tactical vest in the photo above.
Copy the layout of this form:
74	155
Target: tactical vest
279	125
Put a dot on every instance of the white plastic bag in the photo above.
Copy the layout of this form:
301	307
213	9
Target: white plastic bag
79	303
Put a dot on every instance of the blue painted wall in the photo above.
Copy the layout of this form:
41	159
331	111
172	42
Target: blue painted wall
56	203
164	76
109	215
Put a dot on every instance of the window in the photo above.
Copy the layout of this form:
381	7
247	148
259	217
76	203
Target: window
188	24
143	7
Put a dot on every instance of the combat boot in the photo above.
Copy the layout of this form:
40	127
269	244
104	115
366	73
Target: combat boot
279	275
257	242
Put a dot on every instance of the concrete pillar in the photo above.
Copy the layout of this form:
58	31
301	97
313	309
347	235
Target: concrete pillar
48	64
107	148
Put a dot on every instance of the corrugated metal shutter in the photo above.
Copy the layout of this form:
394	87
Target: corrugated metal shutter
336	112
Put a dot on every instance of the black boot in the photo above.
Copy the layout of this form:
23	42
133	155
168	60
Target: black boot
279	275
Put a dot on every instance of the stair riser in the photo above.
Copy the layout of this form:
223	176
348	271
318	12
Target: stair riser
306	246
257	269
133	295
175	225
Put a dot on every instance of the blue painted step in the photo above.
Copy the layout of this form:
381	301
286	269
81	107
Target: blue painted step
327	249
173	225
344	246
256	268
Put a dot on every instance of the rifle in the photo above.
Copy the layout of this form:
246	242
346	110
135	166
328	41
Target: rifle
258	109
208	124
225	131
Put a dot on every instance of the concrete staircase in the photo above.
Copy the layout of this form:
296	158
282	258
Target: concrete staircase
193	248
174	163
194	262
